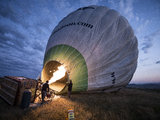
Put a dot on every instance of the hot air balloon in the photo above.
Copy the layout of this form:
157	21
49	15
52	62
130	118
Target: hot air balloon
95	47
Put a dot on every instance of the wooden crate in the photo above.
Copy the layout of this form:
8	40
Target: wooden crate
8	90
12	89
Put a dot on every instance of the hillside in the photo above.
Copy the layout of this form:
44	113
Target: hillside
145	86
127	104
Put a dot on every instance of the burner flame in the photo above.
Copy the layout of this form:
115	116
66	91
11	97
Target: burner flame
60	73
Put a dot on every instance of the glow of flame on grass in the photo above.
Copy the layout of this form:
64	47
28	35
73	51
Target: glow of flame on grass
60	73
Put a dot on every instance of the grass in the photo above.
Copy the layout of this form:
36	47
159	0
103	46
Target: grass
127	104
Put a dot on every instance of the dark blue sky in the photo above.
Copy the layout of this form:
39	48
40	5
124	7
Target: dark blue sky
25	26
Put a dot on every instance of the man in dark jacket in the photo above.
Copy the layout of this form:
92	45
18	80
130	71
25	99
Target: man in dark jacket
70	88
45	89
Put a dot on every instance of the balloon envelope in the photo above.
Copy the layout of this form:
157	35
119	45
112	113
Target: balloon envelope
97	47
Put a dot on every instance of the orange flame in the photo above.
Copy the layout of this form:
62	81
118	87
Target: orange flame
60	73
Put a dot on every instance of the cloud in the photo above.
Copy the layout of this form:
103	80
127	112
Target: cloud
143	60
146	45
7	11
148	41
20	63
141	27
126	7
23	38
26	26
10	32
158	62
24	31
89	2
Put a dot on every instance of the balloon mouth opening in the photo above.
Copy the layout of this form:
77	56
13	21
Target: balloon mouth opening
56	74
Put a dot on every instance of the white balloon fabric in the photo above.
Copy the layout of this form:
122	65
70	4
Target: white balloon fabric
104	40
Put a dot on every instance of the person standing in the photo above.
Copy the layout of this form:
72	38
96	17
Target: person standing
70	88
45	89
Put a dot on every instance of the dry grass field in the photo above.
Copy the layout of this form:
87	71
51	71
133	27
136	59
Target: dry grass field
127	104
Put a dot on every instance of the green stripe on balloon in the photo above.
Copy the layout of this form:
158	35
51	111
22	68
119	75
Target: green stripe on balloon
76	65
